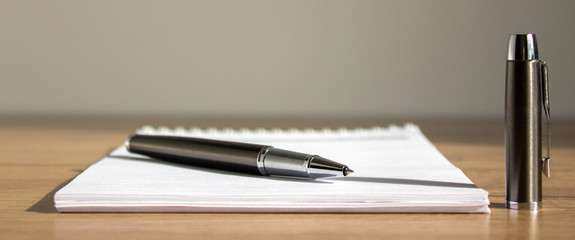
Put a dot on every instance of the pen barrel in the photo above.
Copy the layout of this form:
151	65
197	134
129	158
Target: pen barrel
207	153
523	129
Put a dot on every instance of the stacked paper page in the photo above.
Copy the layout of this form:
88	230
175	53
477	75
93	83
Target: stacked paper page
396	170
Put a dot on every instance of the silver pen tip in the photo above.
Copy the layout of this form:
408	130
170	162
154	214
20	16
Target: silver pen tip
347	171
320	167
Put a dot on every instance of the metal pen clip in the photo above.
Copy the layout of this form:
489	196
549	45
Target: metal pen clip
545	100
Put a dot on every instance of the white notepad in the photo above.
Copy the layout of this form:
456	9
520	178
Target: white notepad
396	170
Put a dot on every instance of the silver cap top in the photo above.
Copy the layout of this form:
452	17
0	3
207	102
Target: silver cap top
522	47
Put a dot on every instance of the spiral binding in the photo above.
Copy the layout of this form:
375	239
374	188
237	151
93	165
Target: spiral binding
290	133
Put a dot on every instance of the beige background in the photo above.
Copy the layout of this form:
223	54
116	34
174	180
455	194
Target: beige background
270	58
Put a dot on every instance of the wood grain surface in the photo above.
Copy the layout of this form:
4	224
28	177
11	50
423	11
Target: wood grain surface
40	154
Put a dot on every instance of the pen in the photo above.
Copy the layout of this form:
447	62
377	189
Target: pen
526	102
235	156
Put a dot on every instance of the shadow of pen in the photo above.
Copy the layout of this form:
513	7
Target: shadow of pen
221	171
406	182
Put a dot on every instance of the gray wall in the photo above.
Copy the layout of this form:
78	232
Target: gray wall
352	58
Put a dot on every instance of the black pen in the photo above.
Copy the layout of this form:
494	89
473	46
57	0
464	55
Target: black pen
235	156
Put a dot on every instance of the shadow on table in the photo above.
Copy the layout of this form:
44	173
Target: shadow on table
46	204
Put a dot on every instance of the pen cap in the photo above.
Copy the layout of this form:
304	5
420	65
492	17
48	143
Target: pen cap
526	102
522	47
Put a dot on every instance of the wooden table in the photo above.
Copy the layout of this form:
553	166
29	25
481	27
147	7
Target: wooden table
40	154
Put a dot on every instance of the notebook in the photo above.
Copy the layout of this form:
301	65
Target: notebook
397	170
